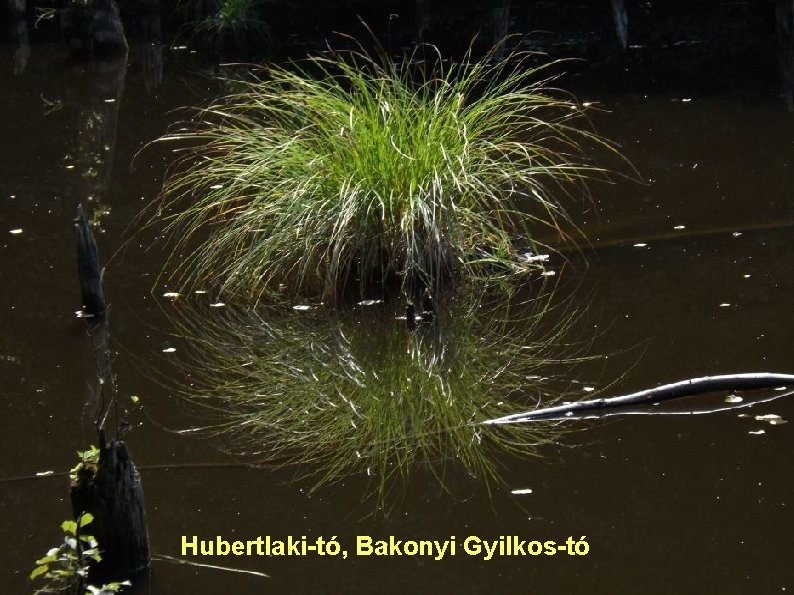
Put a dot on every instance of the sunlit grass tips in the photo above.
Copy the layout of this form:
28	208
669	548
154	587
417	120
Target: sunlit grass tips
348	168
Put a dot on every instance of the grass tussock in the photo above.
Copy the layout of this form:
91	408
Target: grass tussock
352	168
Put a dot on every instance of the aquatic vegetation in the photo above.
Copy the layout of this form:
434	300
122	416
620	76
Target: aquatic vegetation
65	568
355	392
348	168
228	23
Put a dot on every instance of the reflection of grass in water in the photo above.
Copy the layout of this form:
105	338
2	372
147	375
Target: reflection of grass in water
360	393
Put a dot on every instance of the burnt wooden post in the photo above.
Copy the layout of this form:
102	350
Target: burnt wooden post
113	494
111	489
88	271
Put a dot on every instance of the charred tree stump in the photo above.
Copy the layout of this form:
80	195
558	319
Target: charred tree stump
113	494
88	270
110	489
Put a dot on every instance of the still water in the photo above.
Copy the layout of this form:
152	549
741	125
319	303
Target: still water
689	273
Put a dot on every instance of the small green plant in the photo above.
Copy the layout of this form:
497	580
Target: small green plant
351	167
65	568
228	21
89	461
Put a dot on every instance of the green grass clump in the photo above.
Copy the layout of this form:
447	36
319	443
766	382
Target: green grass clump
352	168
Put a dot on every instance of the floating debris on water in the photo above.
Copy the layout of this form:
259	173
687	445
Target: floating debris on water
44	473
16	231
521	491
169	349
640	245
771	418
199	292
217	305
757	432
171	295
733	399
369	302
530	257
736	234
548	273
679	227
301	307
725	305
216	186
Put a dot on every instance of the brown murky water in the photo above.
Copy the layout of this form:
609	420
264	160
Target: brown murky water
690	504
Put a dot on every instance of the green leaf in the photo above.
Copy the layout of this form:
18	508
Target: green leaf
69	527
50	557
39	570
86	518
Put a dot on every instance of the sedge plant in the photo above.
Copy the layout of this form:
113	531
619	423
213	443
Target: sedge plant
352	168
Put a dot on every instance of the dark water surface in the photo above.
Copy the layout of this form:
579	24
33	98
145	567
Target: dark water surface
687	504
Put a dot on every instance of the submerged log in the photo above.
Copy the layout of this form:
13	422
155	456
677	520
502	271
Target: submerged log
685	388
113	494
88	270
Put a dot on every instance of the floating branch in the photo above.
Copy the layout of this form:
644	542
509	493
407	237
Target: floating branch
211	566
666	392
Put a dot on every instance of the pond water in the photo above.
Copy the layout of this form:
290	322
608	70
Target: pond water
690	273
